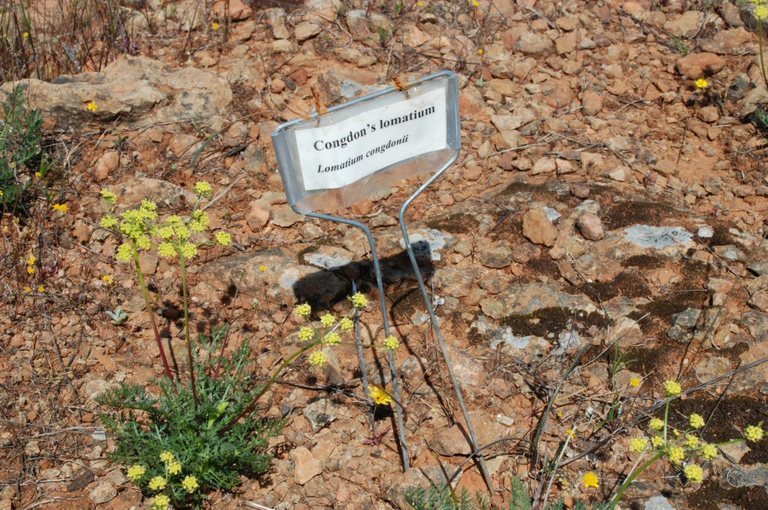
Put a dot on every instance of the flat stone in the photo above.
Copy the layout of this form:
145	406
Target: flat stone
696	65
306	465
538	229
753	476
497	255
321	413
329	257
284	216
658	503
106	165
657	238
103	492
590	226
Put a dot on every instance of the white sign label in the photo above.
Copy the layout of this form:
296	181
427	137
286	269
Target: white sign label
339	154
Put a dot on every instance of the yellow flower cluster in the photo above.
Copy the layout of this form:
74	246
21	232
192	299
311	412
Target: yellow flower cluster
136	472
161	502
359	300
31	264
203	189
61	207
702	84
391	343
303	310
591	480
754	433
672	388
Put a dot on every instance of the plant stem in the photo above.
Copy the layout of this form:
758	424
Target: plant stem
150	311
666	418
631	478
261	391
185	298
761	49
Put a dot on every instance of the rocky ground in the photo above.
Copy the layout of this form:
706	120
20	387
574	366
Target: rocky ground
602	205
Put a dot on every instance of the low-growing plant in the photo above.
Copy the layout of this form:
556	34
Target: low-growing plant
118	316
21	154
684	449
201	431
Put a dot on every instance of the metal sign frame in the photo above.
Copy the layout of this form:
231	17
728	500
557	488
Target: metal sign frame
297	198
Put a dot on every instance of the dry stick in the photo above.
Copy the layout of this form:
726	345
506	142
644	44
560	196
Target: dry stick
543	503
657	405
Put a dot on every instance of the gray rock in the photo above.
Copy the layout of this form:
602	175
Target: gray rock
103	492
321	413
657	238
712	367
757	324
428	241
734	451
658	503
756	476
329	257
497	255
527	298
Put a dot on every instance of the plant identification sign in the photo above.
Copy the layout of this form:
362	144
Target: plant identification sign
340	154
373	134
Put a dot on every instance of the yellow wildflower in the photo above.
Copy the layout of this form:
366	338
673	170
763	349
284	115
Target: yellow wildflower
638	444
359	300
135	472
754	433
27	289
318	359
391	343
41	288
166	250
676	455
108	196
332	338
167	457
303	310
709	451
635	382
474	3
591	480
215	26
656	424
108	221
761	12
62	208
694	473
124	253
696	421
224	238
570	433
31	270
188	250
108	279
190	484
702	84
420	4
31	260
204	189
25	35
306	333
174	468
157	483
691	441
143	242
672	388
657	441
346	324
327	320
161	502
92	106
380	396
263	268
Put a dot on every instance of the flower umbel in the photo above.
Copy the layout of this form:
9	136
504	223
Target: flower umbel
135	472
224	238
318	359
391	343
656	424
694	473
157	483
190	484
167	457
306	333
359	300
672	388
204	189
676	455
709	451
327	320
696	421
591	480
754	433
161	502
62	208
638	444
303	310
702	84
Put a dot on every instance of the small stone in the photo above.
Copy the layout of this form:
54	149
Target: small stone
620	173
734	451
590	226
284	216
472	172
696	65
306	30
591	102
685	25
708	114
759	300
544	165
579	190
276	21
566	43
564	167
538	229
321	413
658	503
184	146
306	465
106	164
731	15
103	492
533	44
277	86
497	255
666	167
